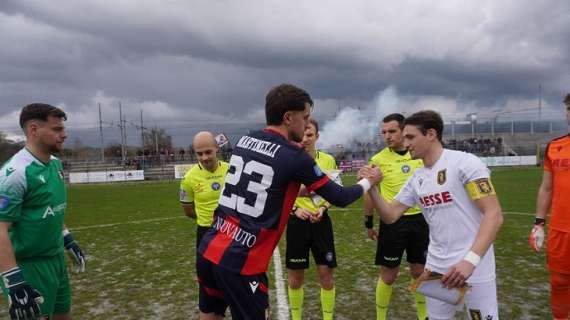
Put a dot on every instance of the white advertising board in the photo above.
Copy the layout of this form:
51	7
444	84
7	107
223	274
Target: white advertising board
106	176
180	170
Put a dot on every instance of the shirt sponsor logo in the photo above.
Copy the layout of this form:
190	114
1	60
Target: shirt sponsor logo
406	168
234	232
436	199
4	202
59	209
216	186
441	176
9	171
561	163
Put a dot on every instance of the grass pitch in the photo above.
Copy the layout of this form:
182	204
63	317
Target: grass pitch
141	255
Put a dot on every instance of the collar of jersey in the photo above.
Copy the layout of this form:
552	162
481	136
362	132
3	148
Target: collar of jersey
34	156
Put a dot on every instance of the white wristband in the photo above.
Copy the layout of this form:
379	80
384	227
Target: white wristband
472	258
365	184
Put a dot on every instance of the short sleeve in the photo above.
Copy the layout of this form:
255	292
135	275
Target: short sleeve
12	191
186	191
408	194
547	160
472	168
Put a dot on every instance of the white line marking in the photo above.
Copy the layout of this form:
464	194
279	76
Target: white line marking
282	304
108	225
96	226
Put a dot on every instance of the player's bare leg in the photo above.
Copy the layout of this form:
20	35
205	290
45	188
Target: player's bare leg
64	316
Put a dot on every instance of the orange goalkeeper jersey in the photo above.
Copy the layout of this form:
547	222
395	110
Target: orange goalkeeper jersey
557	162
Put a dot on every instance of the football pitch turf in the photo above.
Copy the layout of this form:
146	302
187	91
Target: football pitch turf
141	255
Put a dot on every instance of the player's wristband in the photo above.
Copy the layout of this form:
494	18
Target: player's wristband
365	184
539	221
368	223
472	258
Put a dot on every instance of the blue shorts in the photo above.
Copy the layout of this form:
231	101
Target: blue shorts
247	296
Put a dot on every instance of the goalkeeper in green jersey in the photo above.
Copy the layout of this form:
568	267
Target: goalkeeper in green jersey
33	201
410	233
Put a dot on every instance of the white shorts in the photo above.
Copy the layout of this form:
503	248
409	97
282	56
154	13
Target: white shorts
480	302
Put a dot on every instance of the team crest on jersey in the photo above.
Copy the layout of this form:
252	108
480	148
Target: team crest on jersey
216	186
441	177
475	314
9	171
484	186
406	168
4	202
60	174
421	181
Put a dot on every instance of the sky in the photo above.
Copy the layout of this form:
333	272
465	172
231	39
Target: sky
196	65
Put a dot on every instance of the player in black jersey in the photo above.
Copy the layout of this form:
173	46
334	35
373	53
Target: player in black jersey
266	170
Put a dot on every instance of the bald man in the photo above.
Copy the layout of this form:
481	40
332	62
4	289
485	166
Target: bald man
200	189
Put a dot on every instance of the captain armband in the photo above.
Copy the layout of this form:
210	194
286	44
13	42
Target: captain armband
480	188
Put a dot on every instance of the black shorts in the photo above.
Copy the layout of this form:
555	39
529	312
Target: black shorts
302	236
409	233
247	296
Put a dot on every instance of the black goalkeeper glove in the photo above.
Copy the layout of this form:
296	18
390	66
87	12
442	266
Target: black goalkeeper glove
23	300
74	252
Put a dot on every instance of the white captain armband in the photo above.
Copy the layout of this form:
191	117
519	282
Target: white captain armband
480	188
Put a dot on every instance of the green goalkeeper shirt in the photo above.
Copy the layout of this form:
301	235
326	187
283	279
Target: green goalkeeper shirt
33	198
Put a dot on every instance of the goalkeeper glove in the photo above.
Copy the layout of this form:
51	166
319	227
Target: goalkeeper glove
74	252
536	238
23	300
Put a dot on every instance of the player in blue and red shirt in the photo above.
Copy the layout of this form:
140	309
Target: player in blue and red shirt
266	170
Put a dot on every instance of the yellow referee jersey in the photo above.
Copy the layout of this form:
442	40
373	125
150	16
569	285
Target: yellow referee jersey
328	165
396	169
203	188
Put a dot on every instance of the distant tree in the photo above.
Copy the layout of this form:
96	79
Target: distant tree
8	147
153	136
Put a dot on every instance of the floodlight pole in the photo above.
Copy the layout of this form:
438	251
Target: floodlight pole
101	133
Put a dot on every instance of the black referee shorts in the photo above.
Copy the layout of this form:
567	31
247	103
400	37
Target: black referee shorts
409	233
302	236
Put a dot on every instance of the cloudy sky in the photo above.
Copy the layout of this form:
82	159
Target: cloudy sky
192	65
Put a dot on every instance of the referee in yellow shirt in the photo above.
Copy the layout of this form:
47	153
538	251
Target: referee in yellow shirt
200	189
410	233
310	229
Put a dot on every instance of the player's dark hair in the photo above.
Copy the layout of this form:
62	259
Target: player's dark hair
395	117
567	99
315	123
283	98
425	120
40	111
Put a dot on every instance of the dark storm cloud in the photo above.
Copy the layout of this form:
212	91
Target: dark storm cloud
212	62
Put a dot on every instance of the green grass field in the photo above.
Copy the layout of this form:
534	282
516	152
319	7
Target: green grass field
141	255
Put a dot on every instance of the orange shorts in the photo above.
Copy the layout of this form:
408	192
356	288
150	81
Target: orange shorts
558	251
